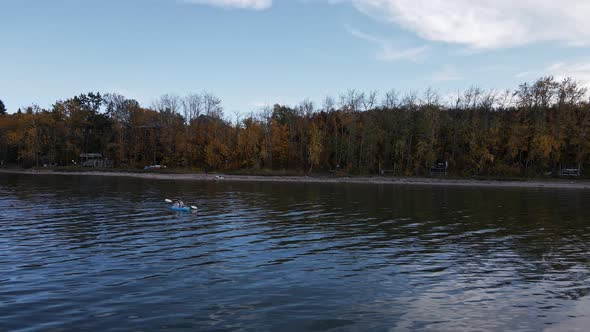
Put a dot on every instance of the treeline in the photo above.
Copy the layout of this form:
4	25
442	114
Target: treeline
537	128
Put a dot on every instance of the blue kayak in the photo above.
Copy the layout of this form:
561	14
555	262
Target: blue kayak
181	209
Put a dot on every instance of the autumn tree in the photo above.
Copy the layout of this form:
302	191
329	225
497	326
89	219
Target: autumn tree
539	127
315	146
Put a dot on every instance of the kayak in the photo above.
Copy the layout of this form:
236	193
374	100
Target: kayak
181	209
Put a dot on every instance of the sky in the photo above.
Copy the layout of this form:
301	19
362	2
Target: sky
252	53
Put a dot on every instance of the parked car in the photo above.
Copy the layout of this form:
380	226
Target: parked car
150	167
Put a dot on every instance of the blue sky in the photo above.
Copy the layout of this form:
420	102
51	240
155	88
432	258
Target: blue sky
256	52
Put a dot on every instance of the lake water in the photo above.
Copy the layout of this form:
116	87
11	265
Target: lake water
97	253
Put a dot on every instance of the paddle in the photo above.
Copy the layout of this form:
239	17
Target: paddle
171	201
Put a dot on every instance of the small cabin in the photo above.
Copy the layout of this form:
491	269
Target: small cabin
439	168
94	160
570	171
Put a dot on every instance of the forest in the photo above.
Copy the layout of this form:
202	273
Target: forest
533	130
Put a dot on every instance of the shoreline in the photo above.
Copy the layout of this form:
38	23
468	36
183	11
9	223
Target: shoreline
553	184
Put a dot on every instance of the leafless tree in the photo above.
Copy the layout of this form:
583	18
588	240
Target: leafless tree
192	107
391	99
306	107
238	117
504	100
351	100
431	97
369	101
488	100
168	103
410	101
329	104
212	105
471	97
117	107
571	92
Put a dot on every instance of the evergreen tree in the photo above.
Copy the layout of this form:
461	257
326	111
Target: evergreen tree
2	108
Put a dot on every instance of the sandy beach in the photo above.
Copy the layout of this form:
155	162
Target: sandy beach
554	183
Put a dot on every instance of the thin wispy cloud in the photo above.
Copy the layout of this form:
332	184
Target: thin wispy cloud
496	68
479	25
577	70
446	73
387	51
241	4
487	24
523	74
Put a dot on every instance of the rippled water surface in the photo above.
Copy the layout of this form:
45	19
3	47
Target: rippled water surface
97	253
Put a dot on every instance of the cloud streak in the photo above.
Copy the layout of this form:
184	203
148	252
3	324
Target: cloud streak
487	24
446	74
240	4
577	70
479	25
388	51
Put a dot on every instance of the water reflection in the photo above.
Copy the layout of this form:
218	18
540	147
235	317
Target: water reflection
94	252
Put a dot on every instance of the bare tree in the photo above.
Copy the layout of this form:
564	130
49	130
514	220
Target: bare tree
351	100
489	100
504	100
306	107
238	117
471	97
431	97
410	101
117	107
457	100
192	107
391	99
212	106
545	90
369	101
329	104
571	92
169	103
266	150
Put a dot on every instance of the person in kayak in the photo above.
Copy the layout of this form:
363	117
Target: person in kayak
178	204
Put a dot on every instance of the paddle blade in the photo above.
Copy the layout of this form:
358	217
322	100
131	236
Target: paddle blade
168	200
194	207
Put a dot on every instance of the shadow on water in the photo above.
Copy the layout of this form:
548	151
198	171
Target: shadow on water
96	252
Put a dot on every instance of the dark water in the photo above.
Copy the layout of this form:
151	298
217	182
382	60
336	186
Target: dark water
92	253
